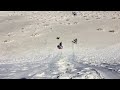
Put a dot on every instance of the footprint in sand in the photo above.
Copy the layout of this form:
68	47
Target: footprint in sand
35	35
99	29
46	25
113	17
87	19
75	22
69	24
22	28
112	31
8	41
22	31
84	16
10	34
98	18
67	19
60	23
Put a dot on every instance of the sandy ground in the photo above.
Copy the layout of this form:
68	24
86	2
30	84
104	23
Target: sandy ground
28	44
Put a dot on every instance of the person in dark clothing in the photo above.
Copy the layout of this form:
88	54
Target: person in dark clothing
75	41
60	46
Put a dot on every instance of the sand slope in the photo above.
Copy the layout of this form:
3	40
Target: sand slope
30	37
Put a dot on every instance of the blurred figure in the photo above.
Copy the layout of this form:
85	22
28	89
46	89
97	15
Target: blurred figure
75	41
60	46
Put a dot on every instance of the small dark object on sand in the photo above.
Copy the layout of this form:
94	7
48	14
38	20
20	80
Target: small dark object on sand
58	38
58	76
5	41
111	31
99	29
60	46
75	41
74	13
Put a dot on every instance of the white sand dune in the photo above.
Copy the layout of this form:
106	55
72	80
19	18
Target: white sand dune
28	44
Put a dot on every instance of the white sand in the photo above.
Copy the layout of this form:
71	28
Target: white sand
31	36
